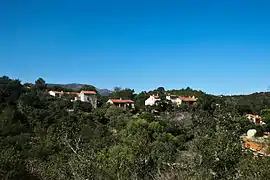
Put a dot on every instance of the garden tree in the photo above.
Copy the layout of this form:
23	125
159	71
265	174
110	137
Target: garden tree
139	100
82	106
265	113
163	105
186	92
161	93
207	103
59	88
127	93
68	97
88	88
101	100
40	84
122	93
115	94
161	90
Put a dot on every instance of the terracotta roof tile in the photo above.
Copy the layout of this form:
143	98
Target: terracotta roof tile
187	99
257	147
121	101
89	92
254	116
58	92
75	93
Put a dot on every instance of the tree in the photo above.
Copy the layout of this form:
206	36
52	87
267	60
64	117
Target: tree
123	93
140	100
88	88
266	116
40	84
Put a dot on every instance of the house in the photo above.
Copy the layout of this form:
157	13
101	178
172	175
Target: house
178	100
84	96
152	100
258	145
255	119
188	100
122	103
88	96
174	99
56	93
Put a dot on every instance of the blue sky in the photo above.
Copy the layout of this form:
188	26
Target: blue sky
220	47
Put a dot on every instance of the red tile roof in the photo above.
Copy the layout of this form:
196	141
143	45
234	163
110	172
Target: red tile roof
188	99
254	116
121	101
75	93
62	92
89	92
58	92
257	147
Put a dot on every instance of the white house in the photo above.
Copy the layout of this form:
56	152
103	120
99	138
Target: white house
56	93
255	119
88	96
84	96
175	100
151	101
125	103
178	100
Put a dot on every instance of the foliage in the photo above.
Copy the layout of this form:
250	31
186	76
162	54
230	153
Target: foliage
41	139
88	88
186	92
266	116
122	93
40	84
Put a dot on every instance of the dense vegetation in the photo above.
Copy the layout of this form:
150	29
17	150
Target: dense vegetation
41	139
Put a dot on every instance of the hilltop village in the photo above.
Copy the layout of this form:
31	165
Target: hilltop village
257	145
51	131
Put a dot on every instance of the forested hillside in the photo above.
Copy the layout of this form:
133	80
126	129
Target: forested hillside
41	139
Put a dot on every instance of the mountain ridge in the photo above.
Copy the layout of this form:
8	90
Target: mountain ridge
78	86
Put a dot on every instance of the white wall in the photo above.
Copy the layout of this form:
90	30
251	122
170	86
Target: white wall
88	98
52	93
150	101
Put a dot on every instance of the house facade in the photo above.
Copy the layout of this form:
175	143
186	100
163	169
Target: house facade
257	145
256	119
88	96
188	100
152	100
177	100
127	104
84	96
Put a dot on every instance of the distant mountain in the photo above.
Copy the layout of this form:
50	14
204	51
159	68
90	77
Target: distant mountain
104	92
73	86
76	87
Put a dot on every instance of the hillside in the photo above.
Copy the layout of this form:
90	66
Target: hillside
77	86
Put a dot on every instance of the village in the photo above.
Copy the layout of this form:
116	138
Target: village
258	145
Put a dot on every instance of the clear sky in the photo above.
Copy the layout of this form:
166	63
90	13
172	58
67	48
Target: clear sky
213	45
